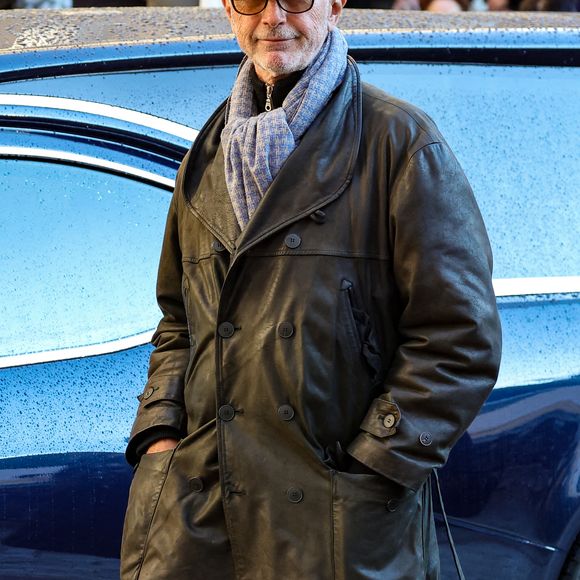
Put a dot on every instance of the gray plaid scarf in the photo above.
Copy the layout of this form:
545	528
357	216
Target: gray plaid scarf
256	146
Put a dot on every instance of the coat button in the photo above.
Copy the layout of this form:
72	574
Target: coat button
294	495
218	246
285	329
292	241
226	412
286	412
392	505
426	438
389	420
196	484
226	329
318	216
148	392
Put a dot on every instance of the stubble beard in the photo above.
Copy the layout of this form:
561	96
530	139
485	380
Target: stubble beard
277	64
281	62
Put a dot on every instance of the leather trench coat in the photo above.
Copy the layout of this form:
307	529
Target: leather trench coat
353	316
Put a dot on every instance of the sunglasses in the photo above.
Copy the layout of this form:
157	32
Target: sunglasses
251	7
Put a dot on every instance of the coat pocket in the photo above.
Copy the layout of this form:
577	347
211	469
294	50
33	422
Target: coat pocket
146	487
347	316
359	329
377	531
185	294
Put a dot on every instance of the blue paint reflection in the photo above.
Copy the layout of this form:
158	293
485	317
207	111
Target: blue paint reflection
69	406
79	256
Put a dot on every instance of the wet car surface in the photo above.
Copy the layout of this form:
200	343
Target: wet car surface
98	107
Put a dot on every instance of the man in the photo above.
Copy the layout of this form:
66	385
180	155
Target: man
329	326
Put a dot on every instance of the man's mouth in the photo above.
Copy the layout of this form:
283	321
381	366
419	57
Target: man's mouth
277	38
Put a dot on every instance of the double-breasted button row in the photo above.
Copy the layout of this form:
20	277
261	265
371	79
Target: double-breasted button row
226	329
294	494
286	412
426	438
292	241
285	329
226	412
217	246
196	484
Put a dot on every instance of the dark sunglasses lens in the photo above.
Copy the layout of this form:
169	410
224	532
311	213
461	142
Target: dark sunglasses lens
296	6
249	7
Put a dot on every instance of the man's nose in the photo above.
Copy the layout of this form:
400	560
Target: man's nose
273	15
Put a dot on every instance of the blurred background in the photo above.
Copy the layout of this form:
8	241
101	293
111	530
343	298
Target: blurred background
441	6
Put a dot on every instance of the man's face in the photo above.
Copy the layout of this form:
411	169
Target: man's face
280	43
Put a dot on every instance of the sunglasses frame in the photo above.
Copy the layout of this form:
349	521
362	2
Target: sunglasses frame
233	2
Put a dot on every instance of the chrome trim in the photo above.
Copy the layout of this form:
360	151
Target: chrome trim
519	31
111	111
86	160
497	532
77	351
536	286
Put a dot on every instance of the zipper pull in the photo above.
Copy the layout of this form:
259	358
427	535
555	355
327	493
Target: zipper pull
346	285
269	89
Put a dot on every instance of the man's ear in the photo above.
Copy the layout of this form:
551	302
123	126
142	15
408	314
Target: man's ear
226	5
336	7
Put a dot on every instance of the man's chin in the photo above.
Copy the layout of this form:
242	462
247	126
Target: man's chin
277	66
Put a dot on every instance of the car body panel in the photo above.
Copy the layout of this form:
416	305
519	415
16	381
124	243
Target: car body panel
118	95
489	97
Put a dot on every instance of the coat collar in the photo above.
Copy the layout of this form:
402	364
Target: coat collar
204	183
315	174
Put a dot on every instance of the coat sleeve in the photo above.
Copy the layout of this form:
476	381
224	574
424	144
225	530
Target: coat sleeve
161	405
450	336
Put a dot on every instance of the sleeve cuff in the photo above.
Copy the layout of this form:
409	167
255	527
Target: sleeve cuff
376	455
149	437
139	443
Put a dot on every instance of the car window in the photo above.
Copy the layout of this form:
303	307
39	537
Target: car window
187	96
515	130
80	248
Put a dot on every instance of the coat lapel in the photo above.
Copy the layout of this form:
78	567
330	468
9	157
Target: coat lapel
315	174
206	184
317	171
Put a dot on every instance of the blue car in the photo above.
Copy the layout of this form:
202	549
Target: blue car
97	109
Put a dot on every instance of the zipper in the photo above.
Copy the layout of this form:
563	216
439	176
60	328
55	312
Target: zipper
269	89
192	344
361	329
186	306
347	289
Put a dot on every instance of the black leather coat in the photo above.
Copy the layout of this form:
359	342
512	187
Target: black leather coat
355	312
